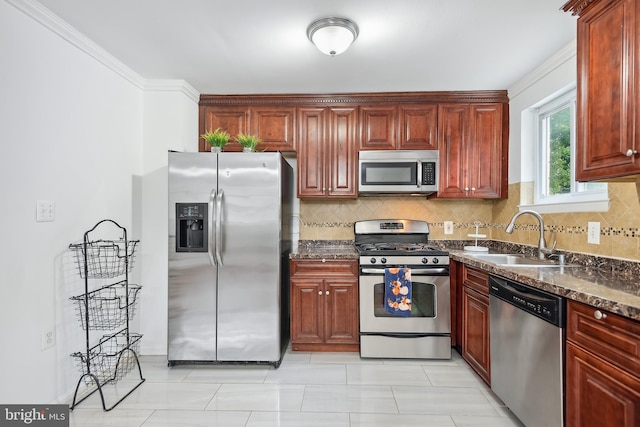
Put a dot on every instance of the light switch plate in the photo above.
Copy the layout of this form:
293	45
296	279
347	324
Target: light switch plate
45	211
593	233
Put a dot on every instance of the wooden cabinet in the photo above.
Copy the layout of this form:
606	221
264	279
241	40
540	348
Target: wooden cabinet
232	119
418	127
475	321
404	127
378	128
603	368
324	305
275	126
473	147
608	43
327	152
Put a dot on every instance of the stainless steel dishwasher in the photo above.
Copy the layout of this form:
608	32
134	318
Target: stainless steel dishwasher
527	351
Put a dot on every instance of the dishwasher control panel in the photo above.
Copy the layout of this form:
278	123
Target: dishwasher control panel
542	304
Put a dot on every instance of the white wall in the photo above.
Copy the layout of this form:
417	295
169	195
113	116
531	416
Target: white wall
74	128
170	123
553	75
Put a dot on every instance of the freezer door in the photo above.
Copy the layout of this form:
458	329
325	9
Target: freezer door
192	274
249	274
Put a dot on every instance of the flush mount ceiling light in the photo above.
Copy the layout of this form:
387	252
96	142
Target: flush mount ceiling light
332	36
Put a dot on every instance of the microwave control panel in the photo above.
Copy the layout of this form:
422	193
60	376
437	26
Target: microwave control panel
428	173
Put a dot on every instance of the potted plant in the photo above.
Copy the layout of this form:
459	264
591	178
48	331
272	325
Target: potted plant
217	139
248	141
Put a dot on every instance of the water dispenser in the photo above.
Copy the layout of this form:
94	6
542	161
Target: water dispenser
191	227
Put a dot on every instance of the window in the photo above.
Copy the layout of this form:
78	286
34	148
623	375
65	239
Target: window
556	189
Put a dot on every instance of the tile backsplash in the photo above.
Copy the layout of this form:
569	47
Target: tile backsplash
333	219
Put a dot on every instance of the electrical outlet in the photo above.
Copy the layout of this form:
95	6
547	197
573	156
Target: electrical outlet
45	211
593	233
448	227
48	339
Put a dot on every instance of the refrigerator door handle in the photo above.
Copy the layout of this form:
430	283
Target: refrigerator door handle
218	220
211	249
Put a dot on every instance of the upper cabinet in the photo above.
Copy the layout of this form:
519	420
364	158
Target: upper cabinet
468	128
234	120
403	127
275	126
473	148
327	152
608	135
418	127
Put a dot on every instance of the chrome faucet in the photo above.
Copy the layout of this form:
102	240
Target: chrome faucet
542	244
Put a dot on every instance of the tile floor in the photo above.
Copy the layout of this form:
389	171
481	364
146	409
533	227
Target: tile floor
309	389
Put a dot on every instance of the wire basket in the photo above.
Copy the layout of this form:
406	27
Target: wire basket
111	359
104	258
107	307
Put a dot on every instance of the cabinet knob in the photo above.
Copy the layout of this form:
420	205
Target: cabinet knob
324	260
327	293
631	152
319	292
599	315
473	188
466	188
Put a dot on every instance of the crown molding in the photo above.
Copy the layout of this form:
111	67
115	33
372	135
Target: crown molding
565	54
168	85
383	98
52	22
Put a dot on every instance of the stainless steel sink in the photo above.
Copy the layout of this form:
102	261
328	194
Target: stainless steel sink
518	260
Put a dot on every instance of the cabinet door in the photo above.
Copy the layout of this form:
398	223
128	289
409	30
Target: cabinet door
453	129
343	153
608	83
307	302
475	332
486	156
276	127
418	127
599	394
311	153
378	128
341	311
232	119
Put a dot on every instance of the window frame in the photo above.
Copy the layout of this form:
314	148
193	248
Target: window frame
580	199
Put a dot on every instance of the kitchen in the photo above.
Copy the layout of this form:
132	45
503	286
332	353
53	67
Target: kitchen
95	169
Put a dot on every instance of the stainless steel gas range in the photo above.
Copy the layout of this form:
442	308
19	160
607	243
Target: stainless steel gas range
385	246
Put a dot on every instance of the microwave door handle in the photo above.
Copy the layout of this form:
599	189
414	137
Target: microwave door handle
419	172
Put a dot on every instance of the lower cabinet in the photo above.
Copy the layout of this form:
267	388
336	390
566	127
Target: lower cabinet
324	305
603	368
475	321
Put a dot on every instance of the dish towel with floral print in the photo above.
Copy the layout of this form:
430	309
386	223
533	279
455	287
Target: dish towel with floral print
397	291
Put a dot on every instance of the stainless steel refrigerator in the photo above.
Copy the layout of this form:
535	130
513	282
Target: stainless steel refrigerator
229	244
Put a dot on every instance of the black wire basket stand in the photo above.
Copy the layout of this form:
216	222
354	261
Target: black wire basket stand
106	308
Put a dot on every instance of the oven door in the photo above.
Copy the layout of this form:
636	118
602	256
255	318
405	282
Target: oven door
430	312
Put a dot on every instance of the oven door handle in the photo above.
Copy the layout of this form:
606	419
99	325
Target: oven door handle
414	271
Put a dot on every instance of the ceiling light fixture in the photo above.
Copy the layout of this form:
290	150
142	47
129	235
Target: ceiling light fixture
332	36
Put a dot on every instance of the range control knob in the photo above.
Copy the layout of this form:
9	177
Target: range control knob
373	260
383	260
425	260
436	261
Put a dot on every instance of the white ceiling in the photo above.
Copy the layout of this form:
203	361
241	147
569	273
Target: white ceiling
260	46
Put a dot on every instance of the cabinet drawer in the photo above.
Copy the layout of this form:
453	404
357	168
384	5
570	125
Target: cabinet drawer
614	338
476	279
327	268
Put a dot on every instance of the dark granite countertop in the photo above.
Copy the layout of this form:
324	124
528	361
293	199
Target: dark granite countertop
614	291
325	249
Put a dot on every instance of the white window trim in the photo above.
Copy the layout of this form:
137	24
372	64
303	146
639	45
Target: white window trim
585	201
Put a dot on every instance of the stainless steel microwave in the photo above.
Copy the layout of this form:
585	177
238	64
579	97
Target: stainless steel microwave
398	172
